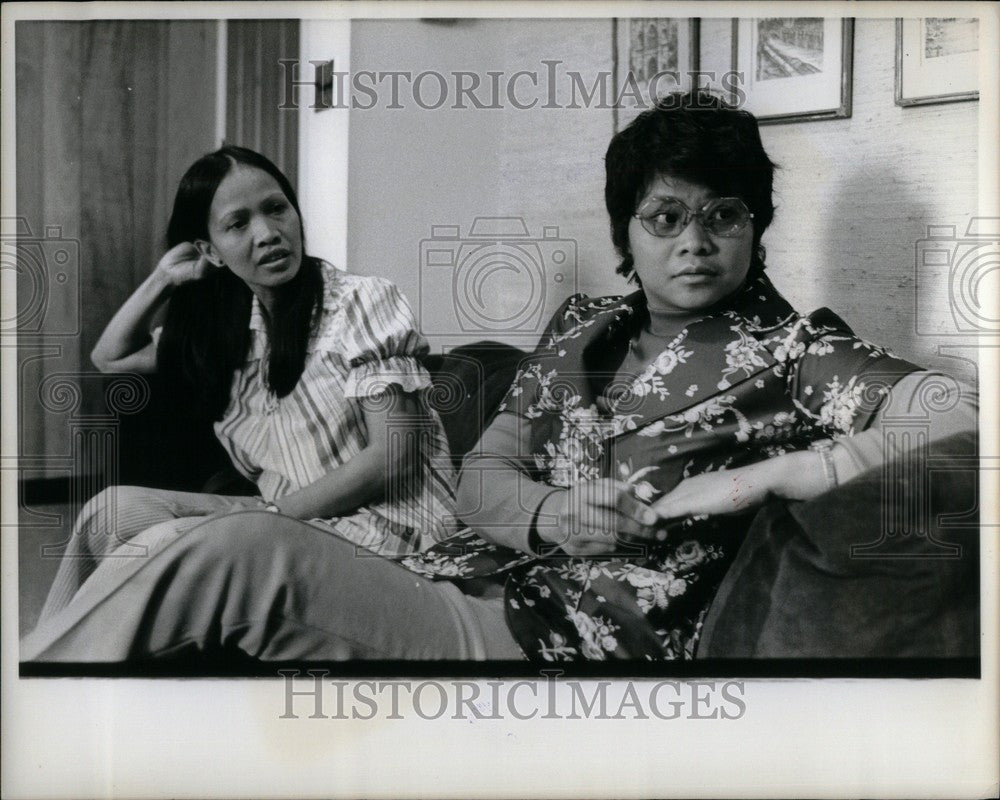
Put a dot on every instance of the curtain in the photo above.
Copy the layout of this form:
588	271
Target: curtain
108	116
254	83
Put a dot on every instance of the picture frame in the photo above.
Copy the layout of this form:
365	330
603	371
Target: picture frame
661	54
794	69
936	60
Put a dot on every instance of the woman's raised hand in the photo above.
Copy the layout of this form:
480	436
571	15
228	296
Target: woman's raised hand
125	345
593	518
183	263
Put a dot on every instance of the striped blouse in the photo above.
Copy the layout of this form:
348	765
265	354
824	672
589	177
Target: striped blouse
365	339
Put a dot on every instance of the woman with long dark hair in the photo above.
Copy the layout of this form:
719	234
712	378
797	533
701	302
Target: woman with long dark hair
303	369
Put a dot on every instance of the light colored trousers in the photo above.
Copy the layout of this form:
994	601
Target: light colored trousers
151	573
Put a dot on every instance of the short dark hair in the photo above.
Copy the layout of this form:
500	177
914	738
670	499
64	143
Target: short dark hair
206	335
698	137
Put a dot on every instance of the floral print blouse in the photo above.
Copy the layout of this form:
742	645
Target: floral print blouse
745	383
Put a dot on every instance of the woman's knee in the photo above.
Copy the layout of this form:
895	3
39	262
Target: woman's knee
241	535
260	541
97	505
249	526
116	501
102	520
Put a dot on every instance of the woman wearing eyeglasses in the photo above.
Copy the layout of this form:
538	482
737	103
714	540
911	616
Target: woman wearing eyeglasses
608	498
645	428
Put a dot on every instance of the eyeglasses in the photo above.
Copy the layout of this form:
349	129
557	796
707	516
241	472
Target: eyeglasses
724	216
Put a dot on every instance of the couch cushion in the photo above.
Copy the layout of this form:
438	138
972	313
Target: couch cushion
469	383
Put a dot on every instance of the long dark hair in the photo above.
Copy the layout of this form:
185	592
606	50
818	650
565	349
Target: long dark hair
206	333
700	138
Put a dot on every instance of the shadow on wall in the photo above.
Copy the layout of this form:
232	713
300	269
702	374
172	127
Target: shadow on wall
875	230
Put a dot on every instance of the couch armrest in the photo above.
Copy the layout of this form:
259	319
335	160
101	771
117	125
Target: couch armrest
821	579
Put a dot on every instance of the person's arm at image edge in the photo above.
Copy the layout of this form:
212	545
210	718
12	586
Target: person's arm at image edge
801	476
870	448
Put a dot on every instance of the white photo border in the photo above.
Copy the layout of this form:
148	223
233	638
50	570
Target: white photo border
224	738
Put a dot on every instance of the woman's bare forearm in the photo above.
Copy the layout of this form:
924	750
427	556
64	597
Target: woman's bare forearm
926	404
367	477
358	482
502	502
125	343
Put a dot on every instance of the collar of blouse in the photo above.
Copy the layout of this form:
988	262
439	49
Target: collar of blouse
716	351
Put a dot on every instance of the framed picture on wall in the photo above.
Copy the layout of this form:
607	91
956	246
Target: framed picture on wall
937	60
653	57
795	69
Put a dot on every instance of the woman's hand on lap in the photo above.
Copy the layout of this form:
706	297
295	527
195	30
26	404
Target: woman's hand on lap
726	492
793	476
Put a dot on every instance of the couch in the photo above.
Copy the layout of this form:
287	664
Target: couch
815	580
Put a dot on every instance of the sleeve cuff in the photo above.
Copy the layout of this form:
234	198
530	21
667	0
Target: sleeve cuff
374	377
507	502
536	545
911	400
523	520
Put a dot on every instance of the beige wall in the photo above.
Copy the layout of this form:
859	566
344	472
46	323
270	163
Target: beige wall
323	137
412	168
853	195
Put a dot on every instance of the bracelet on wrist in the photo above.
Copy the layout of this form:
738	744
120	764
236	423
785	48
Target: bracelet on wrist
268	506
825	450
